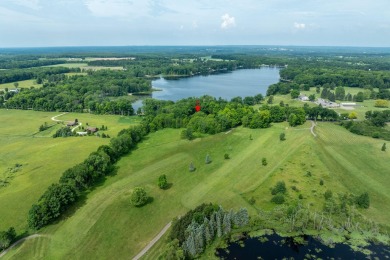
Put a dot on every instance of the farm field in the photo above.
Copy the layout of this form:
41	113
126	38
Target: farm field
106	225
42	158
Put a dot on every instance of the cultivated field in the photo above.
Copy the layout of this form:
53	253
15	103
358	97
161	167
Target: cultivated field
105	225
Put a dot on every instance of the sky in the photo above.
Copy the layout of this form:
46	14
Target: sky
43	23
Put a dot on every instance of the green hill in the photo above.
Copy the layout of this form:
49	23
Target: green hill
105	225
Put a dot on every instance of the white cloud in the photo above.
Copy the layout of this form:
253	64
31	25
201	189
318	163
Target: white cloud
33	4
299	26
227	21
106	8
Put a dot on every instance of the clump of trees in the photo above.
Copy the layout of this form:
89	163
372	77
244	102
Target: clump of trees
7	237
193	232
63	132
373	125
278	192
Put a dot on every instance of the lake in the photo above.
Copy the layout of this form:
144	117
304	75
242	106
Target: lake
277	247
245	82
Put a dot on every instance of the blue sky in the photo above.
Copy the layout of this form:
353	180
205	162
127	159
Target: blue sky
33	23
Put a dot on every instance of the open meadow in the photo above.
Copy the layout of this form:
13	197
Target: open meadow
30	160
105	225
21	84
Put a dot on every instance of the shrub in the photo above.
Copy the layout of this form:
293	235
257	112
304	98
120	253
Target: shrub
282	136
264	161
252	201
363	201
139	197
328	194
208	159
192	167
321	182
278	199
300	196
162	182
280	187
226	156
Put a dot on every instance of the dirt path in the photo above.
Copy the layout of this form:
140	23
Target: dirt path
154	241
54	117
312	128
19	242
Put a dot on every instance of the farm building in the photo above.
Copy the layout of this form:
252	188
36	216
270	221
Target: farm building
92	130
73	123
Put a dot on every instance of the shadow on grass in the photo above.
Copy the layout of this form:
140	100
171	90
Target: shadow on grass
169	185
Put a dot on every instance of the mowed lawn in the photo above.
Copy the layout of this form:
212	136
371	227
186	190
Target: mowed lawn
105	225
42	157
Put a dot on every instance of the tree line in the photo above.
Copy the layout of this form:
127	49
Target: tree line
92	93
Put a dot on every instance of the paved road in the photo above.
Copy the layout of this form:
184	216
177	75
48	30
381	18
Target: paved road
154	241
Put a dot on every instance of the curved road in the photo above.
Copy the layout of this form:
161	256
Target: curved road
154	241
20	241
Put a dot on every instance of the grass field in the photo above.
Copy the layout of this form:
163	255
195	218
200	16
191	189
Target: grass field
106	225
22	84
42	157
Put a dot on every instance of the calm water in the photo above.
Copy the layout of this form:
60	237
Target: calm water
278	247
246	82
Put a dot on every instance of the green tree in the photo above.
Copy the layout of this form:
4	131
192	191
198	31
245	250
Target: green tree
328	194
340	93
312	97
282	136
226	156
294	93
7	237
278	199
280	187
139	197
162	182
363	201
359	97
383	147
270	99
264	161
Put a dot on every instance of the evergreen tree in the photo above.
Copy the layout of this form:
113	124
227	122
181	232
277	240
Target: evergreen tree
208	159
383	147
241	218
200	239
218	218
207	231
212	225
227	224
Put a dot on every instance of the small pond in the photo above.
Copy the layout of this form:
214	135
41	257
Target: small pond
277	247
